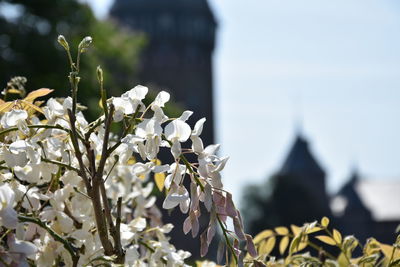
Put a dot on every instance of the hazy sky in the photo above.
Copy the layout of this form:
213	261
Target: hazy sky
332	67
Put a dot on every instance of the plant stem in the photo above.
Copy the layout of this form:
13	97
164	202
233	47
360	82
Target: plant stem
68	246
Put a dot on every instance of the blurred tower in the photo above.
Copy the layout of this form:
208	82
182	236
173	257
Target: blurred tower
178	57
300	186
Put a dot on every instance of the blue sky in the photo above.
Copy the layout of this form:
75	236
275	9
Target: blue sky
332	67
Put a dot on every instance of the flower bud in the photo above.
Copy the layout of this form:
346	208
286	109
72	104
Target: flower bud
99	74
61	40
84	44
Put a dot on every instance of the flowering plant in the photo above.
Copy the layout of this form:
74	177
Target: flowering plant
73	193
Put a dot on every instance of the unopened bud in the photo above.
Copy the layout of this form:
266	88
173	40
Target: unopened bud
61	40
99	74
84	44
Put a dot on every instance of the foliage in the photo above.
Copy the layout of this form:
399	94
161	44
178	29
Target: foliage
294	242
28	47
74	193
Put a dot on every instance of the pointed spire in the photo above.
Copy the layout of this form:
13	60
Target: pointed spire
300	160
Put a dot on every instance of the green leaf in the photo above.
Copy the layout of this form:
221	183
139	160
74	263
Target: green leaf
326	239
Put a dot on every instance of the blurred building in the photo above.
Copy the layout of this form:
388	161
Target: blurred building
178	59
362	207
368	208
178	56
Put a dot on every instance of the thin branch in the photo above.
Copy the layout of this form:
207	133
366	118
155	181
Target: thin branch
60	164
68	246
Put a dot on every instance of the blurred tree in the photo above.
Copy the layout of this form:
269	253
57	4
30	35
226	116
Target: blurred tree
28	47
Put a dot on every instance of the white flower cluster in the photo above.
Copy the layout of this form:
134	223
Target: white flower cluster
73	193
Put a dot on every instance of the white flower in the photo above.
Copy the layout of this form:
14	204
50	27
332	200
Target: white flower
16	117
160	100
8	216
129	102
178	131
177	196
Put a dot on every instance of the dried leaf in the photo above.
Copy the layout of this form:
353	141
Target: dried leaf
6	106
187	226
238	228
30	105
37	93
250	246
203	244
229	206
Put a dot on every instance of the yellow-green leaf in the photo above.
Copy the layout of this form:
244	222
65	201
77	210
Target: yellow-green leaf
325	221
295	229
264	234
37	93
314	229
15	91
284	244
337	236
294	244
159	179
326	239
281	230
267	246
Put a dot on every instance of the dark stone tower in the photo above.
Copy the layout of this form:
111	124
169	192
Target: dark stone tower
178	59
178	56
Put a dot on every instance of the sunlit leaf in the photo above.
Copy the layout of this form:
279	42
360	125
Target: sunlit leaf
264	234
159	178
37	93
30	105
337	236
6	106
325	221
326	239
281	230
15	91
267	246
314	230
283	244
295	229
294	244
